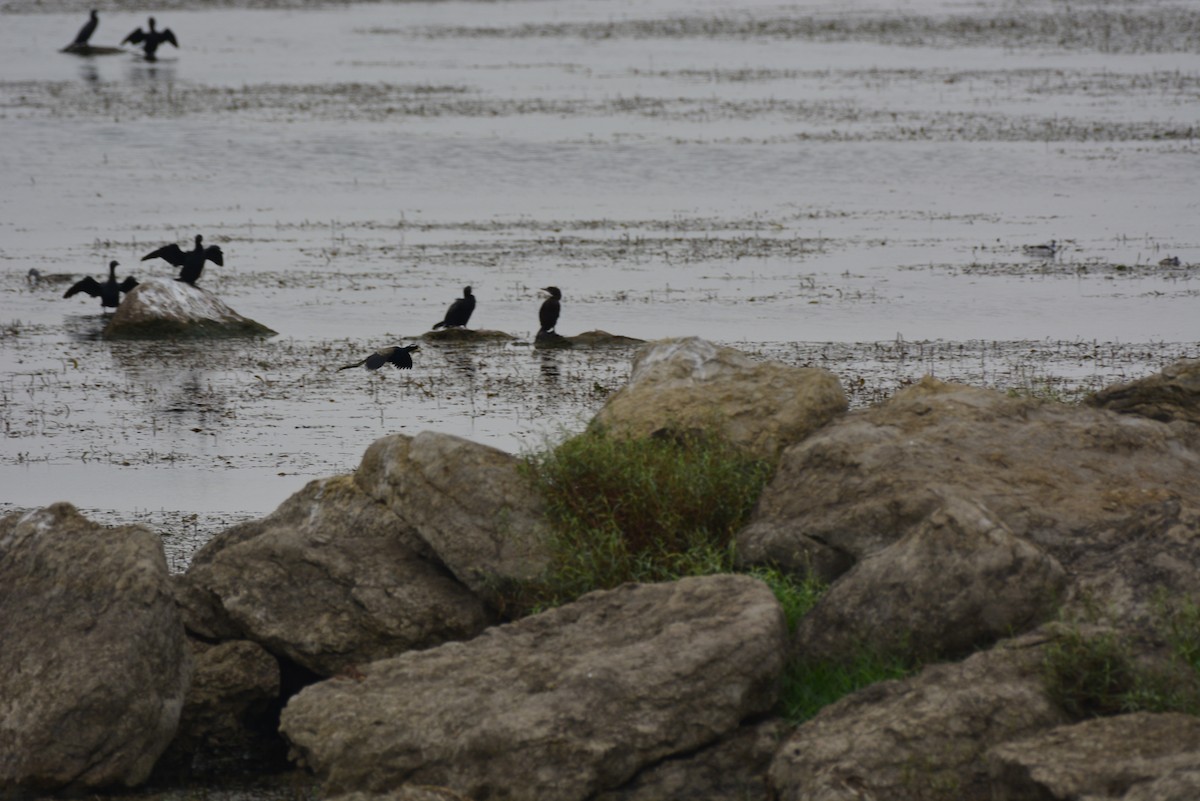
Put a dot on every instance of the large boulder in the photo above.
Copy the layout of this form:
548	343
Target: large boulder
923	737
958	581
555	707
692	384
94	666
328	580
159	308
468	503
1048	472
1173	394
1142	755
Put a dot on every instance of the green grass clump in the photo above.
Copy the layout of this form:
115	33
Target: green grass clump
640	509
810	685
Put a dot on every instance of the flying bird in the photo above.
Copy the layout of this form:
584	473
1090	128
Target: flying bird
548	313
109	292
399	356
189	262
151	39
85	33
459	312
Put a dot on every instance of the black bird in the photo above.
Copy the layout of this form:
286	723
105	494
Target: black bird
109	292
85	33
396	355
548	314
151	39
189	262
459	312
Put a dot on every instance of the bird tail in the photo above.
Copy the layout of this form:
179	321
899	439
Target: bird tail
352	366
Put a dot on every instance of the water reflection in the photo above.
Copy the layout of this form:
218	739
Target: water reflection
549	366
90	73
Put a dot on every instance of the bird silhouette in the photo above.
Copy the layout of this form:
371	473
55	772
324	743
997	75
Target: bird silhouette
189	262
151	39
1046	250
459	312
109	292
399	356
548	314
85	33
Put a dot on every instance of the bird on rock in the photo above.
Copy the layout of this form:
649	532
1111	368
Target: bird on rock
85	33
548	314
189	262
109	291
151	39
399	356
459	312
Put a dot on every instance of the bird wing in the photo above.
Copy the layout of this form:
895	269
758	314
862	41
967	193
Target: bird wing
89	285
168	36
401	358
214	254
377	360
134	37
128	284
170	253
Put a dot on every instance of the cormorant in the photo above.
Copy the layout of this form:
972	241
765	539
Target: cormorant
459	312
396	355
85	33
1169	261
151	39
1044	251
109	292
548	314
190	262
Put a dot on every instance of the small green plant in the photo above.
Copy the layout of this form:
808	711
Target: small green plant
797	596
810	685
639	509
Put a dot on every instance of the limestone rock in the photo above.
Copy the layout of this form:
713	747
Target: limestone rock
1173	394
1104	758
958	581
329	580
93	663
160	308
1046	471
558	706
685	384
467	502
924	737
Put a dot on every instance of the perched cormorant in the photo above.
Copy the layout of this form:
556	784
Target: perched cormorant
396	355
459	312
85	33
109	292
151	39
548	314
189	262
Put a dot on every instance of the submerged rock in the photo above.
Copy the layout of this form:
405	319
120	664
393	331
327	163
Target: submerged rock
161	308
466	335
561	705
94	666
684	384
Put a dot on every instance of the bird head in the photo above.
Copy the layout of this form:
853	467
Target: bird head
412	348
466	291
112	266
554	291
199	239
151	23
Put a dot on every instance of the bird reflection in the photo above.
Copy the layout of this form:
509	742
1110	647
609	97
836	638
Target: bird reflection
549	366
89	73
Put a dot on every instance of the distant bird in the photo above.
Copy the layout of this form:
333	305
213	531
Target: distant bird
151	39
1169	261
109	292
548	314
85	33
1043	251
36	276
396	355
459	312
189	262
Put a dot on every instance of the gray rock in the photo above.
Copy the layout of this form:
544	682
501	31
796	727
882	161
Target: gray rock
1046	471
468	503
1173	394
733	769
409	792
1104	758
919	738
956	582
685	384
160	308
329	580
556	707
93	664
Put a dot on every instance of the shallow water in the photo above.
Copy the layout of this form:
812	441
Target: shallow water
848	185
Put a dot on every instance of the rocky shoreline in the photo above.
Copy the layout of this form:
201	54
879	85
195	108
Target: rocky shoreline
361	626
